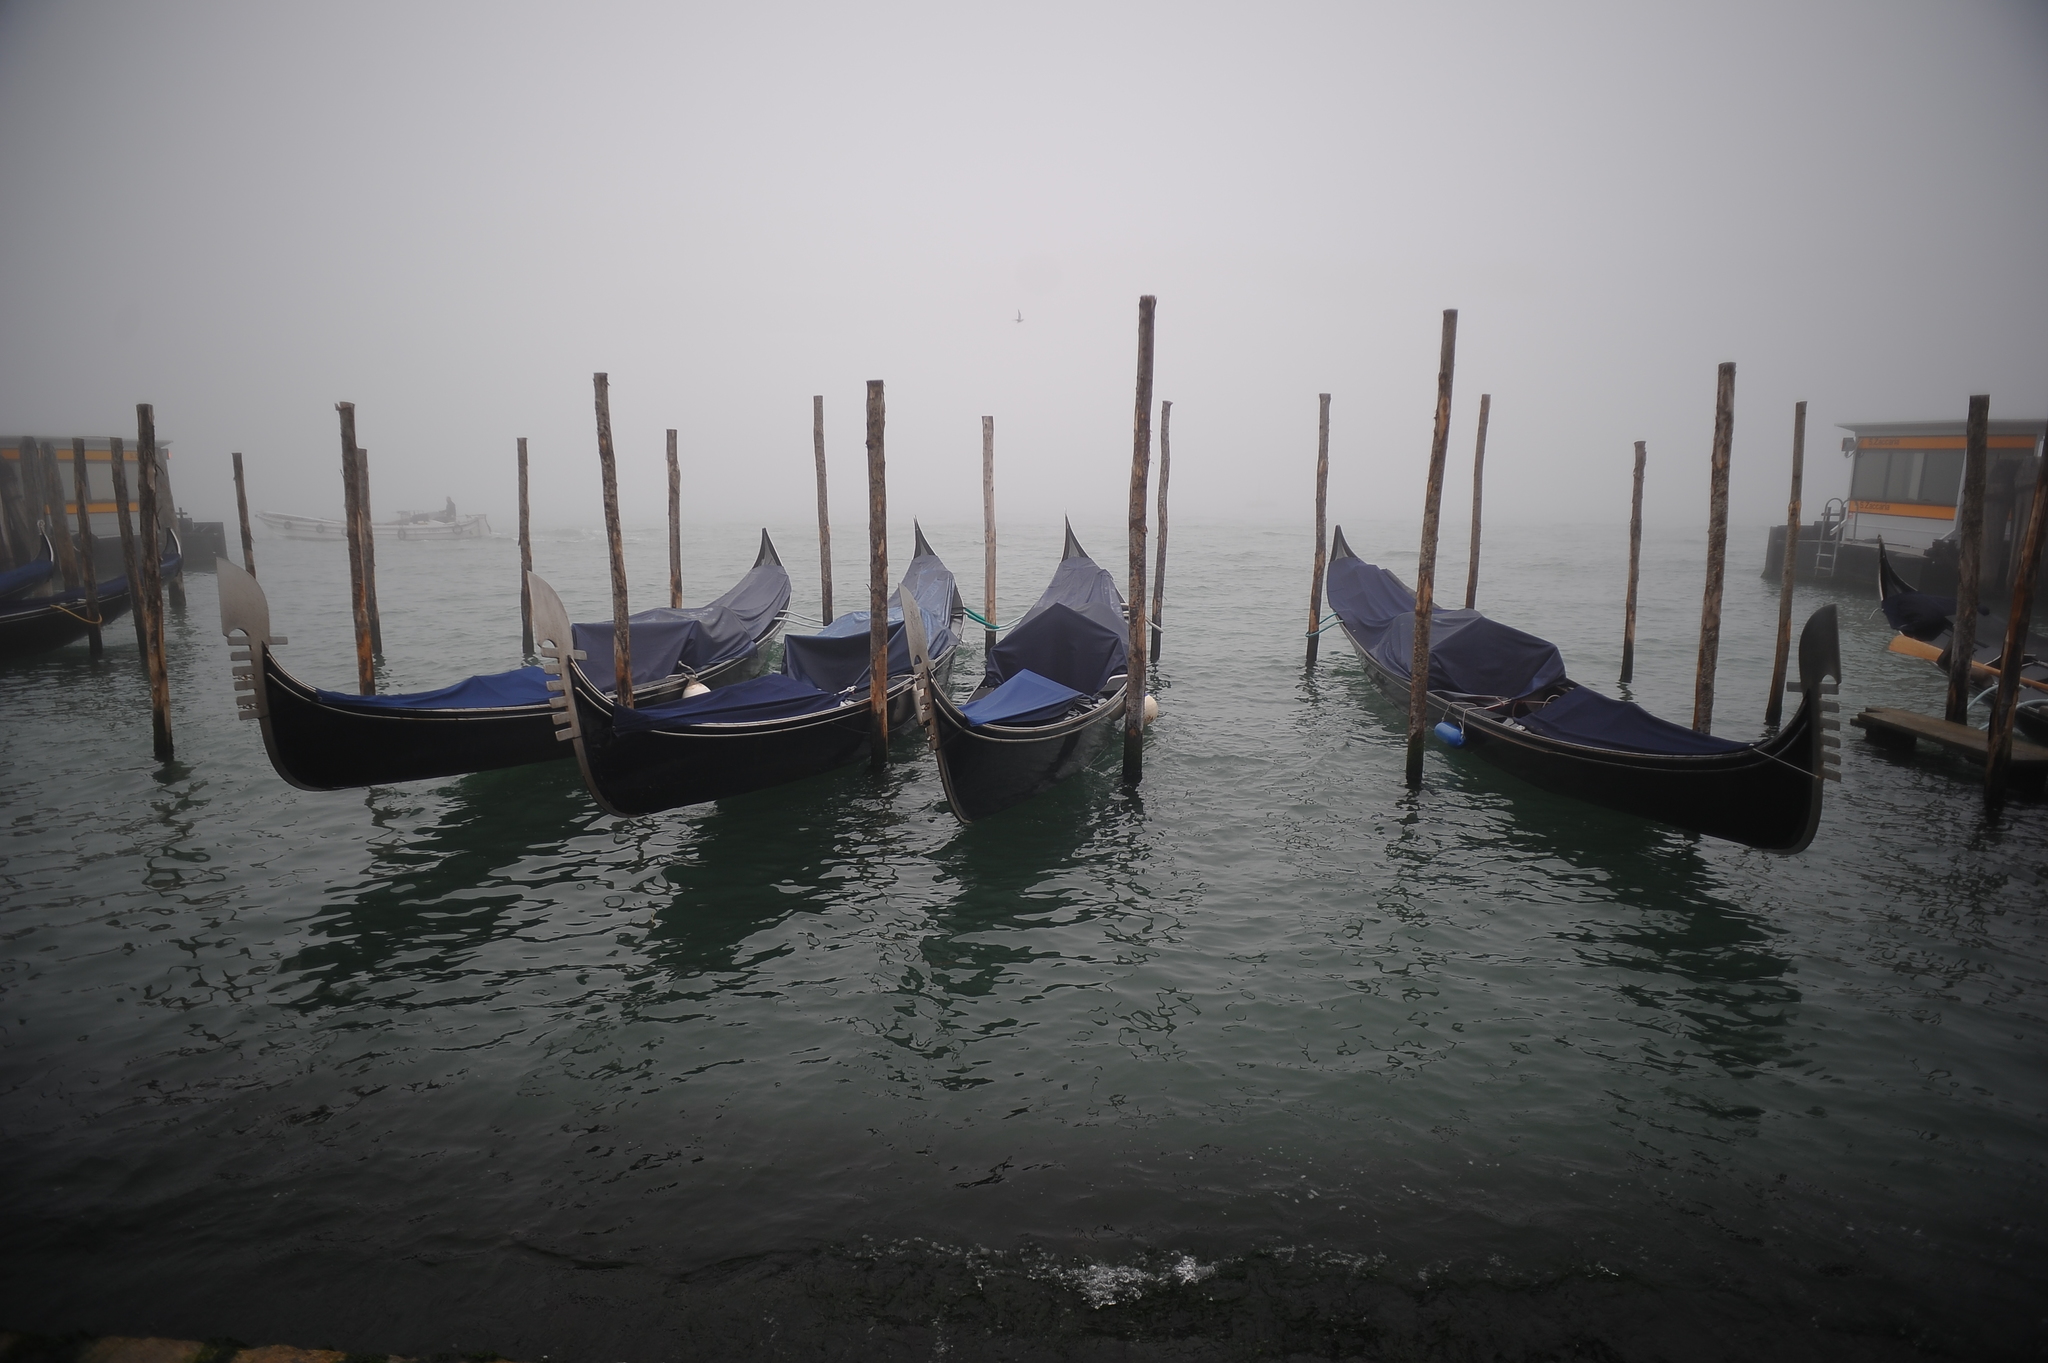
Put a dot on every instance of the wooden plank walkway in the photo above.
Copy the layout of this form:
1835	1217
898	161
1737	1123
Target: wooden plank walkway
1903	729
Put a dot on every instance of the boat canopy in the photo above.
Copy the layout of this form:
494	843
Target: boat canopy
775	696
669	639
1073	637
837	657
1469	655
1025	698
28	576
1584	716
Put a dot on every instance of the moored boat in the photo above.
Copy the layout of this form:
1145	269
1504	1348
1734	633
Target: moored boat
1050	701
1504	695
331	740
406	525
807	719
1926	628
51	619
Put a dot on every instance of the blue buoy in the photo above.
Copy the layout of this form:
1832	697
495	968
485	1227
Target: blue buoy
1451	734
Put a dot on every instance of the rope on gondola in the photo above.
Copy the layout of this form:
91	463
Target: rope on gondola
84	620
1330	622
985	624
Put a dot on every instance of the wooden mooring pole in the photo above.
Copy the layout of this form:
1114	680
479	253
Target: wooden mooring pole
129	560
608	469
878	581
242	514
354	531
147	588
988	533
525	559
1774	709
1425	567
1998	757
81	491
1962	649
1315	577
1635	563
1141	470
54	517
1159	561
675	527
1717	552
368	533
1478	486
824	509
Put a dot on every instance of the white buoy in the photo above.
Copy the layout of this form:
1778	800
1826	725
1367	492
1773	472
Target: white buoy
695	688
1151	708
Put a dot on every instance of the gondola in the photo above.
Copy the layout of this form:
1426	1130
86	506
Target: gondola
1926	626
36	624
1052	698
335	740
808	718
30	575
1504	695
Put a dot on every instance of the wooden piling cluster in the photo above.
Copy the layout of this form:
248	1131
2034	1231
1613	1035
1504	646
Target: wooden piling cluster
81	489
1962	649
1774	708
1425	568
1717	551
1141	467
1315	578
130	557
53	516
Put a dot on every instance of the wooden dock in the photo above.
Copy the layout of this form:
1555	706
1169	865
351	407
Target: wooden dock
1904	730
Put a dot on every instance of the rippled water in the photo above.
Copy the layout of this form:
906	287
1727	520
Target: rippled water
1271	1057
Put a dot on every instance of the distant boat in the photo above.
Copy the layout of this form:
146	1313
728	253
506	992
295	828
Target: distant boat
444	524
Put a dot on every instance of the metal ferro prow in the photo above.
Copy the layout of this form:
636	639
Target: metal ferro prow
245	612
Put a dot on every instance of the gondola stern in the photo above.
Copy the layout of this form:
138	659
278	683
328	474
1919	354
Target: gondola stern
1338	547
1073	547
767	555
921	548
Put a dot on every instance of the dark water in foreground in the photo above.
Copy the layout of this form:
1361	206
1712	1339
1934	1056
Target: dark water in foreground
1274	1058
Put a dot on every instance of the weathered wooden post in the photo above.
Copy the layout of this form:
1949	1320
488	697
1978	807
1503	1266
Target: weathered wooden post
607	463
1717	552
1315	577
1635	563
1141	469
81	489
242	514
525	560
824	511
369	538
148	587
1998	757
1159	563
1774	709
675	527
54	517
353	532
129	559
878	582
1425	567
1962	651
1478	486
988	534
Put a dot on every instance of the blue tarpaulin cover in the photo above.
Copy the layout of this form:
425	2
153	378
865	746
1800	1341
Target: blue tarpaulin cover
667	638
1024	699
774	696
15	581
1469	655
494	691
1920	615
1586	717
1073	636
837	656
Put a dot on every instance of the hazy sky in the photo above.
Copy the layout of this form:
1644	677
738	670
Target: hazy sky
452	214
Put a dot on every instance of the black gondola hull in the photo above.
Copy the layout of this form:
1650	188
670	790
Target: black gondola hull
987	770
650	770
29	628
1767	796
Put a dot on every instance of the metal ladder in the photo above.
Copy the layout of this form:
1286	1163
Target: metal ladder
1833	521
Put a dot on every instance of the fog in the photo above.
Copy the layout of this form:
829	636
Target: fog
452	215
